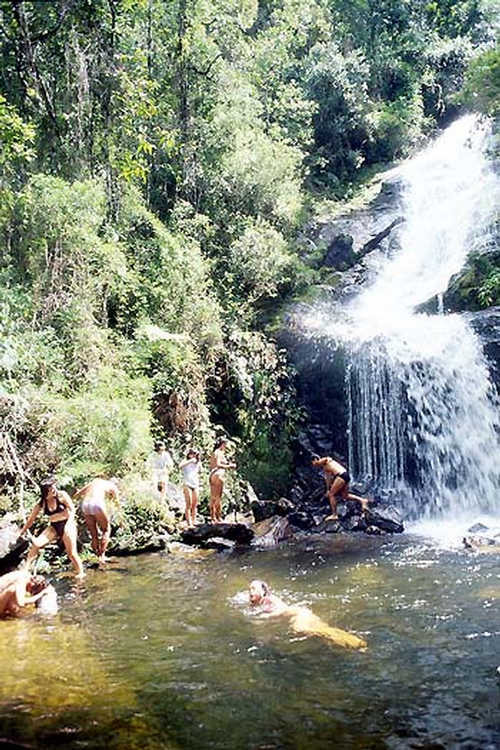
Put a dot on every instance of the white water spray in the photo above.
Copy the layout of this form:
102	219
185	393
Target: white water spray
423	415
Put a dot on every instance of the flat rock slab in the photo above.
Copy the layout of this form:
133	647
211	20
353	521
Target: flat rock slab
235	532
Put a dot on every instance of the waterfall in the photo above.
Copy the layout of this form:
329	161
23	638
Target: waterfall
423	414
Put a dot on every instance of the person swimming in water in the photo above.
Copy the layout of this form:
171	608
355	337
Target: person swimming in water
19	588
58	505
95	511
302	619
218	466
337	480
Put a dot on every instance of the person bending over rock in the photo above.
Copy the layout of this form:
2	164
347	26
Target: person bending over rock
337	484
58	506
218	466
302	619
19	588
95	511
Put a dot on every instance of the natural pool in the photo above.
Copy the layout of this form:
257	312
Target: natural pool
161	652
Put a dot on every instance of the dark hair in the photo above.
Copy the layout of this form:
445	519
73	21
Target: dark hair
45	487
36	584
160	444
193	451
314	456
219	442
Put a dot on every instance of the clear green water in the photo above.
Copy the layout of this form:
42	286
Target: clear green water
161	652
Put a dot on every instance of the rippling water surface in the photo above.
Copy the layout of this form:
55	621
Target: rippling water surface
161	651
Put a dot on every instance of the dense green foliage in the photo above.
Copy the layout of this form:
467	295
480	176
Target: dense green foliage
157	160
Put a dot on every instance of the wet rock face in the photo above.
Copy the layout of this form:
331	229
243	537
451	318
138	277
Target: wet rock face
486	324
350	237
271	531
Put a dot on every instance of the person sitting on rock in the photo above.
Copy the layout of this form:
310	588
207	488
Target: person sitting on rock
302	619
19	588
337	481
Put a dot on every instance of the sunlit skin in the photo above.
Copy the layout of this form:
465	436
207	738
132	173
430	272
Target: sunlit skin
302	619
95	511
19	588
69	535
218	466
337	486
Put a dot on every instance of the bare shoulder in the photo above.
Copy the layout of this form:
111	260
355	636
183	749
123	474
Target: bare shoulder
63	495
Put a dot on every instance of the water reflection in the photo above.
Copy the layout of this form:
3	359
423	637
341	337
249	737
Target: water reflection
160	652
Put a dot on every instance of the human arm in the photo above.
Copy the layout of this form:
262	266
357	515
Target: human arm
69	510
187	461
320	461
32	518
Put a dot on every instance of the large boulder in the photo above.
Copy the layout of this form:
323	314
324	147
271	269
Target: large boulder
265	509
271	531
386	518
235	532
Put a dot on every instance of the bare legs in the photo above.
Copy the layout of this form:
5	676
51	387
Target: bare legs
96	522
216	489
340	487
191	498
69	541
162	489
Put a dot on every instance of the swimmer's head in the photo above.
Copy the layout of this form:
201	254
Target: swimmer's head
257	591
36	584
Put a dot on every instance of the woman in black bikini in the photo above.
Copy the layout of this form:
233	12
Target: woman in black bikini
58	506
337	483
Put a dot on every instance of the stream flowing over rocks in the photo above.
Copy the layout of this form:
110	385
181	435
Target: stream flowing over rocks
394	382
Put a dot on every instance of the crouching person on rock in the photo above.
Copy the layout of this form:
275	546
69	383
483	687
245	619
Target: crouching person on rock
337	482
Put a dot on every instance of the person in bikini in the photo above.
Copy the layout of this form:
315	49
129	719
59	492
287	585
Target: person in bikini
191	484
19	588
218	466
337	480
58	506
95	511
302	619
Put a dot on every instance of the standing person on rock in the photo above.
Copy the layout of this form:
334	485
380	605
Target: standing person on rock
58	505
191	484
162	463
218	466
95	511
337	481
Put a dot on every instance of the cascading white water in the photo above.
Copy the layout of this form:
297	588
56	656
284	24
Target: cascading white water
423	415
